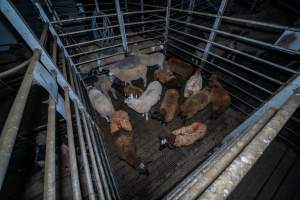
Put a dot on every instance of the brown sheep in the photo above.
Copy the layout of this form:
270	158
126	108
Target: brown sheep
133	90
195	103
180	67
168	106
184	136
166	78
220	98
122	133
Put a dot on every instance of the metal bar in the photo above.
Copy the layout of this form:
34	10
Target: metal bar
253	41
14	118
112	26
104	48
231	62
54	49
191	8
216	26
44	35
238	52
86	168
113	37
107	15
97	6
92	154
100	158
242	21
50	175
142	15
233	174
225	70
122	26
167	25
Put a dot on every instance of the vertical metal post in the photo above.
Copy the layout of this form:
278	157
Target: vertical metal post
122	26
92	154
12	124
191	8
72	152
167	25
142	14
86	168
50	175
126	5
216	26
44	35
97	6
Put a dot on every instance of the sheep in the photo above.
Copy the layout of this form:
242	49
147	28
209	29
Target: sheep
121	130
131	73
195	103
100	103
184	136
181	68
134	91
220	98
193	85
105	85
135	67
149	98
168	106
166	78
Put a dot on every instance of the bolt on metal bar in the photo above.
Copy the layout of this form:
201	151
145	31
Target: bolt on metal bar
118	45
239	167
243	21
252	41
239	52
50	175
215	26
167	23
14	118
231	62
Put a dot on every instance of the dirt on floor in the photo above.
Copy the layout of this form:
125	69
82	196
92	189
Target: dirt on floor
166	167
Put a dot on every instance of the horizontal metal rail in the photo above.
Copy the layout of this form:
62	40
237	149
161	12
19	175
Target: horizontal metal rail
113	37
224	70
112	26
118	45
240	20
252	41
230	61
238	52
108	15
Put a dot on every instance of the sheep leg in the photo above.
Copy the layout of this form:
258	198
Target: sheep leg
147	117
145	80
113	91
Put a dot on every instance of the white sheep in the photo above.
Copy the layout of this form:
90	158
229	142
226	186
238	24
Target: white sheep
148	99
105	83
100	103
135	66
193	85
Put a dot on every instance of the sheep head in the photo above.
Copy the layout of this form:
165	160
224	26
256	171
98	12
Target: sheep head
120	120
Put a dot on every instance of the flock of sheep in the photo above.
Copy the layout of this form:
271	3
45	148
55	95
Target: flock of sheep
119	76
